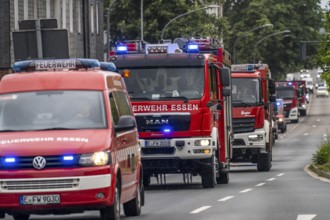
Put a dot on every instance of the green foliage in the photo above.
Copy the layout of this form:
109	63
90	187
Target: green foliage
322	155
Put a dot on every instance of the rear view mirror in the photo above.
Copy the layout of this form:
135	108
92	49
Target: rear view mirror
226	92
225	76
272	98
271	86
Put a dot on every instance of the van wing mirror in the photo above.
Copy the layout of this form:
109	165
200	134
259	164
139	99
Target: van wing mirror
126	122
272	98
226	91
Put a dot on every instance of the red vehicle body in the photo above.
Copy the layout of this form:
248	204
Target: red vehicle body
289	92
54	163
181	129
252	90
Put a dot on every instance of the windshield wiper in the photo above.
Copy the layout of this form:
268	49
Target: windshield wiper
185	99
241	103
56	128
10	130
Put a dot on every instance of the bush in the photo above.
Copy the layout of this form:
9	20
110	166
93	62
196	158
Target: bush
322	155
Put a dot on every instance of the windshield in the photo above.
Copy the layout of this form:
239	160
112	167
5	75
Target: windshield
165	82
245	91
48	110
285	93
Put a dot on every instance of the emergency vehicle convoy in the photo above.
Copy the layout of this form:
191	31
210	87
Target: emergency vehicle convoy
181	100
68	141
252	99
289	92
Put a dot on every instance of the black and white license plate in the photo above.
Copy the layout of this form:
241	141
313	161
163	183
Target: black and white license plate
158	143
40	199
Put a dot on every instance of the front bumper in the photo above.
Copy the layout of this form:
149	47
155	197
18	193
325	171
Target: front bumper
243	140
77	194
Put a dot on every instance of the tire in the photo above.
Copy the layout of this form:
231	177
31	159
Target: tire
133	207
146	180
223	178
112	212
264	162
209	175
303	113
21	216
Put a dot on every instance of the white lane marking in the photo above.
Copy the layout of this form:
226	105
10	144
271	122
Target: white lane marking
318	120
306	217
203	208
260	184
245	190
305	134
314	126
271	179
280	174
225	198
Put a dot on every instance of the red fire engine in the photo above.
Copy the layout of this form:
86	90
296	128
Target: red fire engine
252	99
289	92
181	100
69	141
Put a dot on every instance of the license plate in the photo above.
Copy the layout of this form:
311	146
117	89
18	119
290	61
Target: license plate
40	199
158	143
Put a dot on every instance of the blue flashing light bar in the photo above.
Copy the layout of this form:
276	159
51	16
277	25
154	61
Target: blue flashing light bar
54	64
250	67
167	130
192	47
121	49
68	158
290	83
10	160
108	66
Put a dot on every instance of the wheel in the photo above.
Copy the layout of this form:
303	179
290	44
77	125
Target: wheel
209	174
112	212
133	207
223	178
146	179
264	162
21	216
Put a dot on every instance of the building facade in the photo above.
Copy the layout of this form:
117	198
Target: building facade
83	20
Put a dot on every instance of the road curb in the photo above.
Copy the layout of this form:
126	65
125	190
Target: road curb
317	173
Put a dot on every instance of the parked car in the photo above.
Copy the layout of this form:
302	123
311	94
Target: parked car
322	91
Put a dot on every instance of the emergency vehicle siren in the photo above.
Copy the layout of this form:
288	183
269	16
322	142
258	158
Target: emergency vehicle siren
55	64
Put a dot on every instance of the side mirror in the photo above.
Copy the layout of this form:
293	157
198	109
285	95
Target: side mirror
271	86
126	122
272	98
225	76
226	92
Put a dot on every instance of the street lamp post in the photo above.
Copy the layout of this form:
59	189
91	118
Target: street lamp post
258	42
179	16
141	11
108	28
244	35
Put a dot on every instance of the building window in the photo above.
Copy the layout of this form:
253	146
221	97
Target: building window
71	15
64	14
91	9
97	17
79	15
26	10
47	8
16	18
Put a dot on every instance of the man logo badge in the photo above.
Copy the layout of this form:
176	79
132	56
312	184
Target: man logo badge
39	162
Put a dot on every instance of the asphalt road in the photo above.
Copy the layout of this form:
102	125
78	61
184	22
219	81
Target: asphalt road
286	192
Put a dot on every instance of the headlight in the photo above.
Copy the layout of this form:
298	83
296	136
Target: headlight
203	143
95	159
280	119
304	106
255	137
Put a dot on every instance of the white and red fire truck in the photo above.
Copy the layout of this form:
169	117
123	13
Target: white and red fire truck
252	99
68	141
289	92
184	127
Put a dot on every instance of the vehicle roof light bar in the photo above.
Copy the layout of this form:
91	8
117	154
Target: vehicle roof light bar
55	64
108	66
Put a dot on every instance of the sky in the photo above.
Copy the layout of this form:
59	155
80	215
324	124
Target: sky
324	3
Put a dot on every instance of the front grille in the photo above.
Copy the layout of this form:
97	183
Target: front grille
157	150
243	125
39	184
157	123
27	162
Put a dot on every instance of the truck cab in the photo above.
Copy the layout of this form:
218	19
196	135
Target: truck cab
180	93
69	141
252	98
